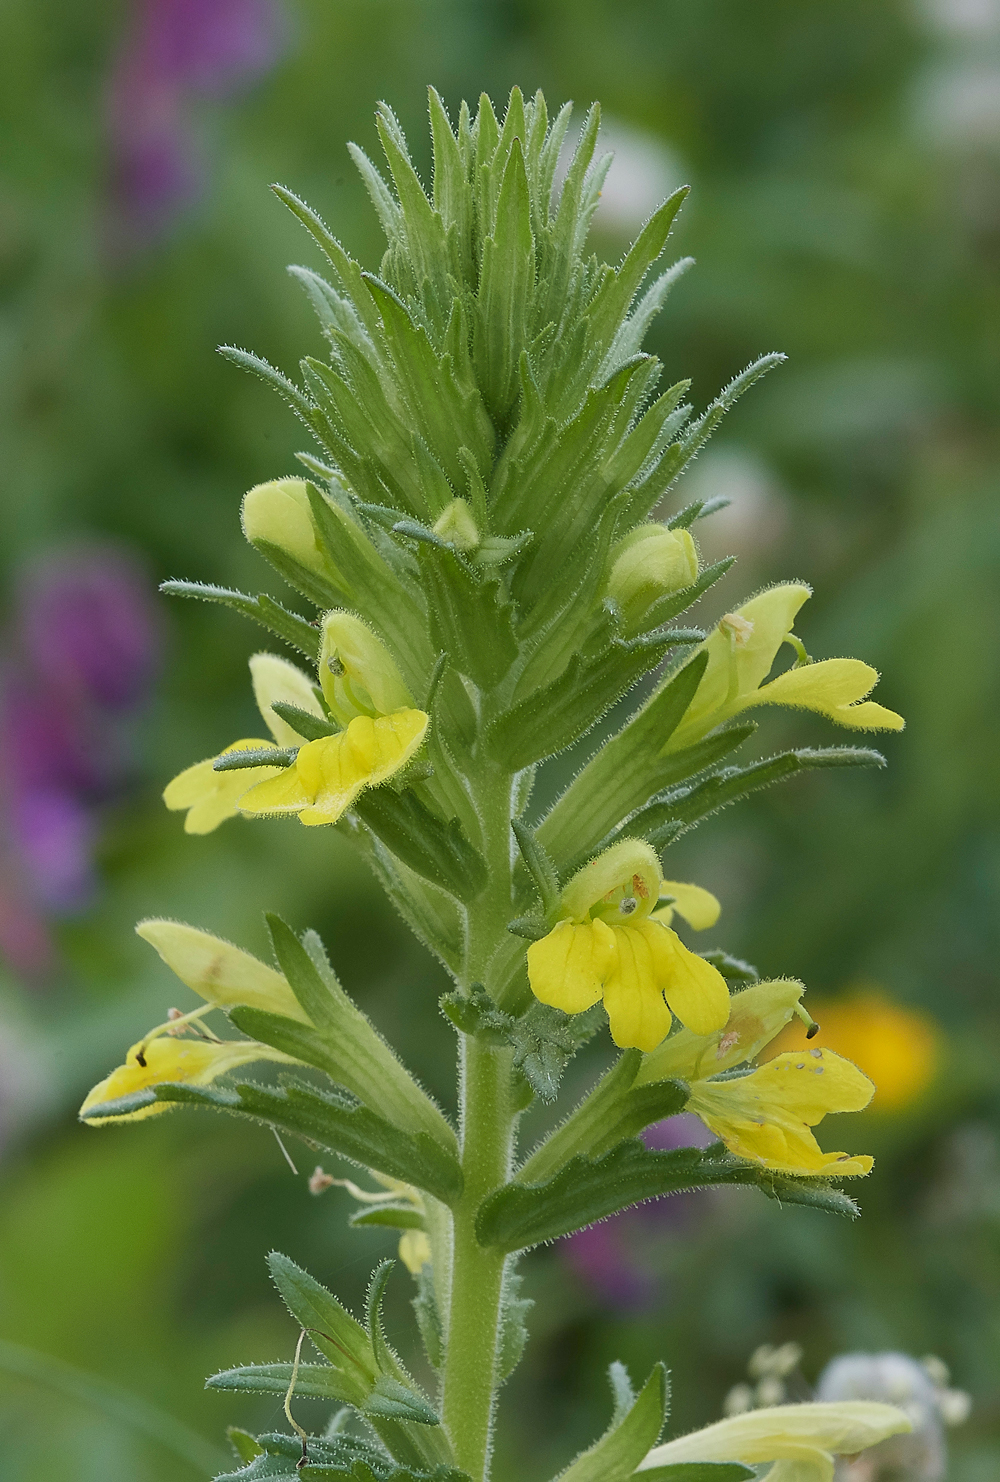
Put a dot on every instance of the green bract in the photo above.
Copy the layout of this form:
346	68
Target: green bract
485	565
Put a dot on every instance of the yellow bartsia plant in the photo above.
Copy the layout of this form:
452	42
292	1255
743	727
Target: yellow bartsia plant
486	574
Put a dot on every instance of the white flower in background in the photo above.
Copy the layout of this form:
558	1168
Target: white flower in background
918	1388
973	18
644	173
756	517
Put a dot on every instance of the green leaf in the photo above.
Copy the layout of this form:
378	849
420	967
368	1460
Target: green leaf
470	617
507	278
294	629
245	1446
438	851
587	1189
539	865
331	1328
257	756
548	721
689	805
312	1381
265	372
629	1439
328	1121
428	1317
733	968
390	1399
310	727
356	1055
391	1216
513	1333
544	1039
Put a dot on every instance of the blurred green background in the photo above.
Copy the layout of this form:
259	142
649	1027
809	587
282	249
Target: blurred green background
845	165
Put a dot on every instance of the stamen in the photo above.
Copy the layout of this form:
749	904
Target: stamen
812	1028
288	1405
640	887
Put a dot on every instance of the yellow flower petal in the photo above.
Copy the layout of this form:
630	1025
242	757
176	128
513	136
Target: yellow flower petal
283	793
274	680
633	994
218	971
357	671
327	775
153	1062
631	866
211	797
765	1116
770	616
568	968
809	1434
695	990
756	1015
699	907
414	1250
367	753
837	689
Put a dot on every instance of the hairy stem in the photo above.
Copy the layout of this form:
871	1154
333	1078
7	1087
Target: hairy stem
474	1309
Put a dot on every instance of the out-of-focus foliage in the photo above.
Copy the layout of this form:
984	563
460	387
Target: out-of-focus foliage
845	164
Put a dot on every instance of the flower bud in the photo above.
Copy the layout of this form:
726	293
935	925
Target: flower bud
279	514
650	562
456	525
358	674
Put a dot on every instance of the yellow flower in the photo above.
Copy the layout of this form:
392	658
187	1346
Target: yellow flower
161	1058
414	1250
608	947
327	775
900	1046
279	514
222	974
365	693
741	652
765	1116
802	1440
211	797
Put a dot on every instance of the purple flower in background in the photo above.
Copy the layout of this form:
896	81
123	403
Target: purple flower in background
79	661
608	1257
173	52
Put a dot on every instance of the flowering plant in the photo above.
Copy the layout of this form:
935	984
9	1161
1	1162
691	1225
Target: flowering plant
480	541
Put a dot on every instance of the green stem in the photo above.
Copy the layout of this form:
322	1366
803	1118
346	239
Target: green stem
477	1273
474	1308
